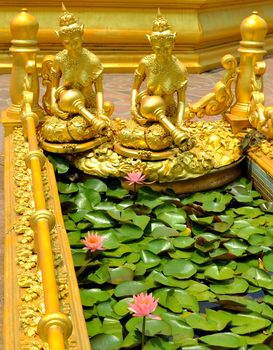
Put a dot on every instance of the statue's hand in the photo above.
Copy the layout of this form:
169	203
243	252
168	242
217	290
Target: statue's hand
104	118
141	120
58	112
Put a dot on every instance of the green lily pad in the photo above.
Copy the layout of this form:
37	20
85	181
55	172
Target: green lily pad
95	184
67	188
78	215
94	327
130	288
158	246
120	274
167	281
176	299
219	273
153	327
178	325
99	219
260	347
250	212
267	207
105	341
159	230
228	340
79	257
132	339
121	250
74	237
157	343
258	277
119	193
183	242
128	232
100	276
237	286
261	240
248	323
89	297
175	219
61	165
268	261
149	259
121	307
236	246
212	321
181	269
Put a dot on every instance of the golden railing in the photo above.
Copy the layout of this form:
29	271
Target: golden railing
54	327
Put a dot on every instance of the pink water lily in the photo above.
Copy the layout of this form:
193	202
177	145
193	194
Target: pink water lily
135	177
144	305
93	242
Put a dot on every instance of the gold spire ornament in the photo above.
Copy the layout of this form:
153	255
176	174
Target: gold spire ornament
24	28
253	31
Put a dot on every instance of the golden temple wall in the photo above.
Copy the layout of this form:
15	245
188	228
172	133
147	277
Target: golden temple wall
115	30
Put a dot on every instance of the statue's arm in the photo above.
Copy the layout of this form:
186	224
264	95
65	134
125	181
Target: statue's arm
56	75
181	97
99	96
139	78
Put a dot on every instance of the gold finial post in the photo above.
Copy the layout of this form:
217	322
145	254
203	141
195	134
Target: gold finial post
253	32
24	28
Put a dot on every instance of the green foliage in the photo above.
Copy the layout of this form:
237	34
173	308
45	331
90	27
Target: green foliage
209	249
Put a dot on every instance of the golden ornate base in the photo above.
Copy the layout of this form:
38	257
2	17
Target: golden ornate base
215	179
72	147
142	154
215	146
237	122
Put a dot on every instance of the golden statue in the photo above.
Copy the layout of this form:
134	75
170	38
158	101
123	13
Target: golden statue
74	97
157	115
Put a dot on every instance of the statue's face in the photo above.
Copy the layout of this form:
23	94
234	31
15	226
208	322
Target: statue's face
73	42
162	48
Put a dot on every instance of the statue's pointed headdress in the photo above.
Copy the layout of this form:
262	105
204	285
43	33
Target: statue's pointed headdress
161	29
68	23
160	24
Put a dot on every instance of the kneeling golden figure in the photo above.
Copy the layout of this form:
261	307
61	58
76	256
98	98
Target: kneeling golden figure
158	110
74	97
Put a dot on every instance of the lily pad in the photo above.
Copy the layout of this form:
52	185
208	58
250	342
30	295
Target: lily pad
212	321
228	340
237	286
158	246
247	323
95	184
176	299
120	274
105	341
219	273
89	297
130	288
181	269
128	232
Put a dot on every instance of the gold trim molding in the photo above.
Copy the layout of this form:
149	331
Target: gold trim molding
115	30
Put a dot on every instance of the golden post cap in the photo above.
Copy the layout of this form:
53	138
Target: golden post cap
24	26
253	28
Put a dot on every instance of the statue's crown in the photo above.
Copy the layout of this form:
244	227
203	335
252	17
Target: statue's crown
160	24
67	18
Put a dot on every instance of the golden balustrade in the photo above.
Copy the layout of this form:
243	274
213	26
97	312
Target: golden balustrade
55	327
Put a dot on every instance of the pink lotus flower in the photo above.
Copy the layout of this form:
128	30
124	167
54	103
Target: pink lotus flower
144	305
134	178
93	242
